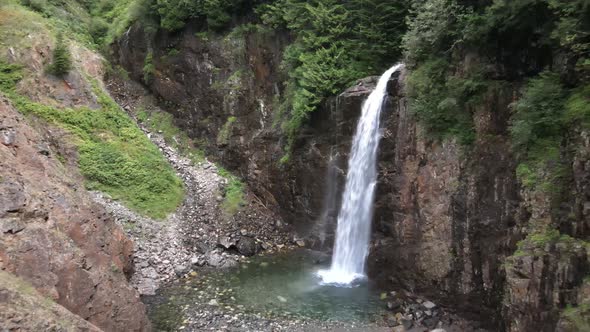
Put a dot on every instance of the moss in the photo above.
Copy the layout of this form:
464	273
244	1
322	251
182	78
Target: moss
115	156
233	193
149	69
537	241
285	159
578	316
202	35
163	123
225	132
173	52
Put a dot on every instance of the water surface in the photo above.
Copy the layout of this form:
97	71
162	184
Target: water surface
278	286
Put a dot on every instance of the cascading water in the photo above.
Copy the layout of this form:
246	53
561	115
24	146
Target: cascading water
354	219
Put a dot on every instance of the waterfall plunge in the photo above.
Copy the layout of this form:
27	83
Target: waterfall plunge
354	219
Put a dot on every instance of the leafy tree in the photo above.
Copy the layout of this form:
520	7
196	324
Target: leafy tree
62	61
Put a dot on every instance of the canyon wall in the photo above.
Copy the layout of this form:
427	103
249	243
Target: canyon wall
452	221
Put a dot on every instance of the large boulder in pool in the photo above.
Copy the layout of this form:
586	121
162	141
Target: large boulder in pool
247	246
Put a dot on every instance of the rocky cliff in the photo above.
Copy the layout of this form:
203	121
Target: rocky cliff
451	220
54	237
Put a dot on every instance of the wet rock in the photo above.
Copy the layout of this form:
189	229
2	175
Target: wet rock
215	259
227	242
391	321
247	246
407	323
399	328
229	263
430	322
180	270
394	304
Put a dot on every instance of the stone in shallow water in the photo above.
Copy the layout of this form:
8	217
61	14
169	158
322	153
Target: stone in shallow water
179	270
214	259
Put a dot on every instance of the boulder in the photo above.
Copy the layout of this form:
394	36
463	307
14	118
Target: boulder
247	246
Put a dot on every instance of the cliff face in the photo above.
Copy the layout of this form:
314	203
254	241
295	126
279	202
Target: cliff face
451	221
54	237
223	91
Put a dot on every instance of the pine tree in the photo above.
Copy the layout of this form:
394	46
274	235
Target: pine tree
62	61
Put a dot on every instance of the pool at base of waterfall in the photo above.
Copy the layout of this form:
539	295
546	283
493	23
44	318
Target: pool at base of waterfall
282	286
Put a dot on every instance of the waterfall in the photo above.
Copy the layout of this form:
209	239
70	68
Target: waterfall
354	220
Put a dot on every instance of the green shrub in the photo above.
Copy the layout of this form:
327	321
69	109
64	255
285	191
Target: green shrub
577	107
62	60
98	29
173	52
433	28
40	6
163	123
225	131
233	193
539	113
541	119
149	69
440	100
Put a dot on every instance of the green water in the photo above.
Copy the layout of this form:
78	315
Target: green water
278	286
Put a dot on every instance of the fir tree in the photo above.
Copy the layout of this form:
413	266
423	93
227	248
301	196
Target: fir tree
62	61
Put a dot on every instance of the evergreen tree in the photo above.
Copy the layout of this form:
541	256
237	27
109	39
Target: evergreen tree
62	61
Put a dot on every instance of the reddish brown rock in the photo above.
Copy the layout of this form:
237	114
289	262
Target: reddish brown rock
55	238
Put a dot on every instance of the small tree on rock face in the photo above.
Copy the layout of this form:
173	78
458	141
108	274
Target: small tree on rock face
62	61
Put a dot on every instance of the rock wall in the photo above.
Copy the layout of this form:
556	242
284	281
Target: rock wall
223	91
54	237
448	218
